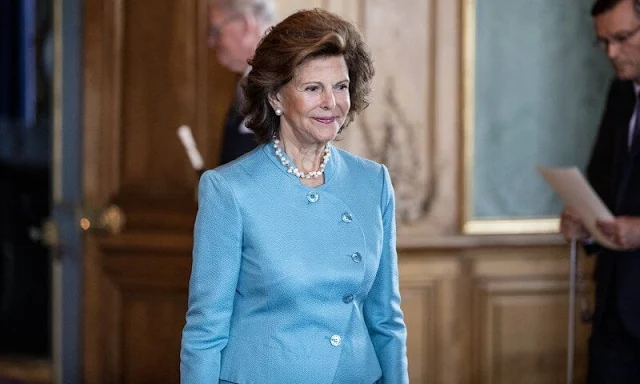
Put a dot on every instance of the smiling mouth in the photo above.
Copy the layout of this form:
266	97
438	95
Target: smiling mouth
325	120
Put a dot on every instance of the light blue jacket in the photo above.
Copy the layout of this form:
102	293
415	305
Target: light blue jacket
292	284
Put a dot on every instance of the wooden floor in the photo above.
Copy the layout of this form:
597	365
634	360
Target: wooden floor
24	370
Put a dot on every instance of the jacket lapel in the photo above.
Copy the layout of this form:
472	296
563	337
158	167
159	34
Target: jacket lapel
623	112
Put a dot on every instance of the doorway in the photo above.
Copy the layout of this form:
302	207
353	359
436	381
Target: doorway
26	73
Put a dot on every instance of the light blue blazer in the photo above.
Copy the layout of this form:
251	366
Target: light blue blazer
292	284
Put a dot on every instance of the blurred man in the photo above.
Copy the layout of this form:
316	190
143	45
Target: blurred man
614	173
235	29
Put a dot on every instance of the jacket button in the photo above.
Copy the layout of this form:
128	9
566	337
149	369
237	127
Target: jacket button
356	257
313	196
347	298
336	340
346	217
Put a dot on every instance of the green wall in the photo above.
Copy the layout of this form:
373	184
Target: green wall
539	93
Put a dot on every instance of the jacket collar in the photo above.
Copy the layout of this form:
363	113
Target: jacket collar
329	170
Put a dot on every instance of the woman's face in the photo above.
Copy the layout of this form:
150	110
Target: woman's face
315	102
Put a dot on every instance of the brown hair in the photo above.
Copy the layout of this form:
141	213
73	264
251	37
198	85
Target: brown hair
304	35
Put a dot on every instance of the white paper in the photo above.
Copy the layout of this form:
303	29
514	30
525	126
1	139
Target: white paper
184	133
575	191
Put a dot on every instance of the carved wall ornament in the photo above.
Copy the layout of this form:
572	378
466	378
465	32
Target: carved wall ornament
395	142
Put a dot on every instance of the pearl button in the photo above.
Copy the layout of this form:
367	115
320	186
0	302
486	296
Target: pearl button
346	217
356	257
347	298
313	196
336	340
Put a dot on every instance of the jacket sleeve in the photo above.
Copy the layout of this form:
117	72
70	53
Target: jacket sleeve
217	252
600	166
382	311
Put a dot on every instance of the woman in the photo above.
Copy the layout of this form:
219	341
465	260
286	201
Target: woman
294	274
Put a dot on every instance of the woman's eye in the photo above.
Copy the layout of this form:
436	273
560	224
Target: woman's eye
312	88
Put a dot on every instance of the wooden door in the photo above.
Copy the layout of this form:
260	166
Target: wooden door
146	71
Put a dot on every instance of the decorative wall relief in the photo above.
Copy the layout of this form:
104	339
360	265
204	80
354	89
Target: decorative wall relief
396	129
394	141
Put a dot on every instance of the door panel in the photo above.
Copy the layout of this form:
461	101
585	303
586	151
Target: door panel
159	93
147	70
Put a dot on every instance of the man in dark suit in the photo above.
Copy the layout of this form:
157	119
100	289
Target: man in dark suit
614	173
235	29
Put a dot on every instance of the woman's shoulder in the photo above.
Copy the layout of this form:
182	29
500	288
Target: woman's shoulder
368	174
239	167
246	174
362	164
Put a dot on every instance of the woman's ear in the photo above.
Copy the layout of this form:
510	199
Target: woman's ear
274	100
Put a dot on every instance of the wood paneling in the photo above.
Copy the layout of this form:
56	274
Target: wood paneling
159	67
490	313
419	304
157	316
520	315
521	333
429	288
148	70
135	308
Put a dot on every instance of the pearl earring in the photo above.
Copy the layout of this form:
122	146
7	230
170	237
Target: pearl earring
278	111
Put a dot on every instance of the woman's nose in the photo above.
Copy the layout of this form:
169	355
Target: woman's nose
329	100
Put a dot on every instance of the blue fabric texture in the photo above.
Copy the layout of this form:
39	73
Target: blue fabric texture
292	284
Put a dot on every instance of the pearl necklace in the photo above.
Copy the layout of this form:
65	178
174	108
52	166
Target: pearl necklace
294	170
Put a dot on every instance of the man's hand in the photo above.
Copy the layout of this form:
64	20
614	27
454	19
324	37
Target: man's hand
571	226
624	231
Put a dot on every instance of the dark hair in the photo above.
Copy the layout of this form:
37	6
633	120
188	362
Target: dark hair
603	6
304	35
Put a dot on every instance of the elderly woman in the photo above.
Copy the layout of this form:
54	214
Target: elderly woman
295	274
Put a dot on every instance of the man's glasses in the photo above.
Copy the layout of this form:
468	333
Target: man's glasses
619	38
214	31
